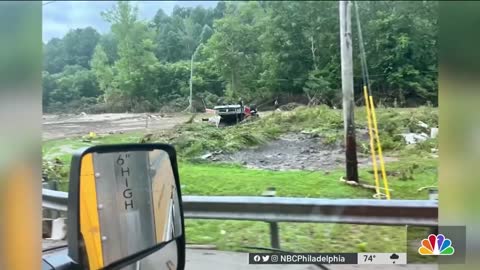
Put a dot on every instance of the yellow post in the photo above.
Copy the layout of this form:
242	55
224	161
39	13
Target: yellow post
382	165
89	219
372	146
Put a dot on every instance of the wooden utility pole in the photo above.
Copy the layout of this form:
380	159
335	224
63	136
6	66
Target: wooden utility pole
347	91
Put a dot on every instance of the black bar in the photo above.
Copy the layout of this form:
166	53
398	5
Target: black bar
274	235
302	258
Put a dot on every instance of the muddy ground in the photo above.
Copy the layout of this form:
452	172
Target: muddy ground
295	151
71	125
66	126
291	151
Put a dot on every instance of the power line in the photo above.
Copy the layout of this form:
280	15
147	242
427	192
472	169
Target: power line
46	3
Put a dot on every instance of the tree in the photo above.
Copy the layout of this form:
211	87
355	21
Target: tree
54	56
79	46
48	85
102	70
109	45
135	56
318	89
299	37
233	49
402	50
254	50
62	90
75	48
85	83
178	35
219	10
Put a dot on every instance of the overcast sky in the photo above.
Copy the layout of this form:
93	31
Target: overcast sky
61	16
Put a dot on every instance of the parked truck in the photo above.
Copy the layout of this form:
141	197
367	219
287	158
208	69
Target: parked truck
234	114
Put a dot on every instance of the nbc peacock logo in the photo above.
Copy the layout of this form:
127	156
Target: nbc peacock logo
436	245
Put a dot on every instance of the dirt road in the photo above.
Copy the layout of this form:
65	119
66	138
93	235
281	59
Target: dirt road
65	126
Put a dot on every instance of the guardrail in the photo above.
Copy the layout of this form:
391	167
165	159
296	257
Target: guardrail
278	209
281	209
54	200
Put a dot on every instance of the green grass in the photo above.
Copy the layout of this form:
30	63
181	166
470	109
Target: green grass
235	180
414	169
214	179
297	237
415	236
205	179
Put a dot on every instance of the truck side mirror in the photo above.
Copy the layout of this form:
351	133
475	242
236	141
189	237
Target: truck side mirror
125	208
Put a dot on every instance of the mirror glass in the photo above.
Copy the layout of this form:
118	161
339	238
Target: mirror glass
164	259
128	203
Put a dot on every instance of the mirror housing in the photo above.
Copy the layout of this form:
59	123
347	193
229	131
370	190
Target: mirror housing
76	244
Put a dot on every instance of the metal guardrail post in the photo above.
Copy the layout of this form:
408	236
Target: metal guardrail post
274	234
433	195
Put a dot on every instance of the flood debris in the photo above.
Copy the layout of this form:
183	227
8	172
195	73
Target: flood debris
413	138
214	120
206	156
211	155
422	124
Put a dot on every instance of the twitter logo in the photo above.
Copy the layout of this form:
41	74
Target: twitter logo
265	258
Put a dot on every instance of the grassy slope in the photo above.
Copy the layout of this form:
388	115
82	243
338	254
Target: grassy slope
207	179
231	235
415	169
